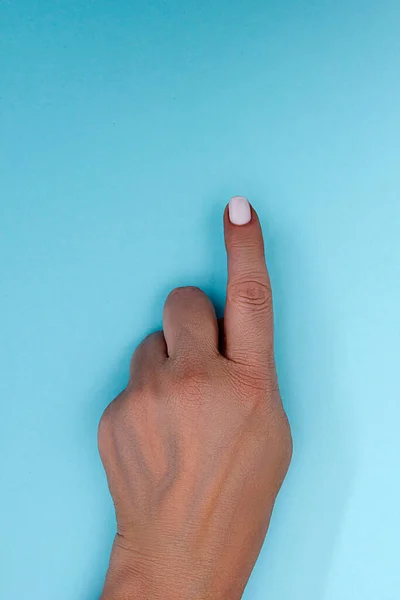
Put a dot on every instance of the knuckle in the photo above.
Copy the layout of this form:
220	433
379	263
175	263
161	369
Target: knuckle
105	429
283	440
253	383
150	340
115	413
279	436
193	381
146	347
260	397
251	293
254	387
184	293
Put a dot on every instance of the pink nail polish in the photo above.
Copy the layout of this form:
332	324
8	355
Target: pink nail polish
239	210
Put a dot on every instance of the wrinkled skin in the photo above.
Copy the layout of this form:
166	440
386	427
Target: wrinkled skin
198	444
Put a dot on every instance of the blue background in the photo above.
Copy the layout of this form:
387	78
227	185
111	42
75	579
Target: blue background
125	128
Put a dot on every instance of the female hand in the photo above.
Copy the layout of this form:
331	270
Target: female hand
198	444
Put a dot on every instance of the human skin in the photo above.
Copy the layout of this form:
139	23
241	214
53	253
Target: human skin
197	446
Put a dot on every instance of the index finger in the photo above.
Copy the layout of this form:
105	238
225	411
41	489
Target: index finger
248	318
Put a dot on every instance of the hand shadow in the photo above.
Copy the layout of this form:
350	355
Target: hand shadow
296	558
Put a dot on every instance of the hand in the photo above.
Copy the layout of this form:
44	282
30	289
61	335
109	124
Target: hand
198	444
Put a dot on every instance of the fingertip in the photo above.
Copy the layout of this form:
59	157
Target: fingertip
245	247
239	235
239	210
239	214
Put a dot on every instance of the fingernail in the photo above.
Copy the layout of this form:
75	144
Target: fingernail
239	210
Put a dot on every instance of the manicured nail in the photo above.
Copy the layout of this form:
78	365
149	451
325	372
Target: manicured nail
239	210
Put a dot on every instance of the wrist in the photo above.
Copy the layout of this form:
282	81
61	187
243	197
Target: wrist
130	577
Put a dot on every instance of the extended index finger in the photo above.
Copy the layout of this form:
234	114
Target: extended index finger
248	312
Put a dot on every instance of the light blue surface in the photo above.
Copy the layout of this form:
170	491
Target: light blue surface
125	127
